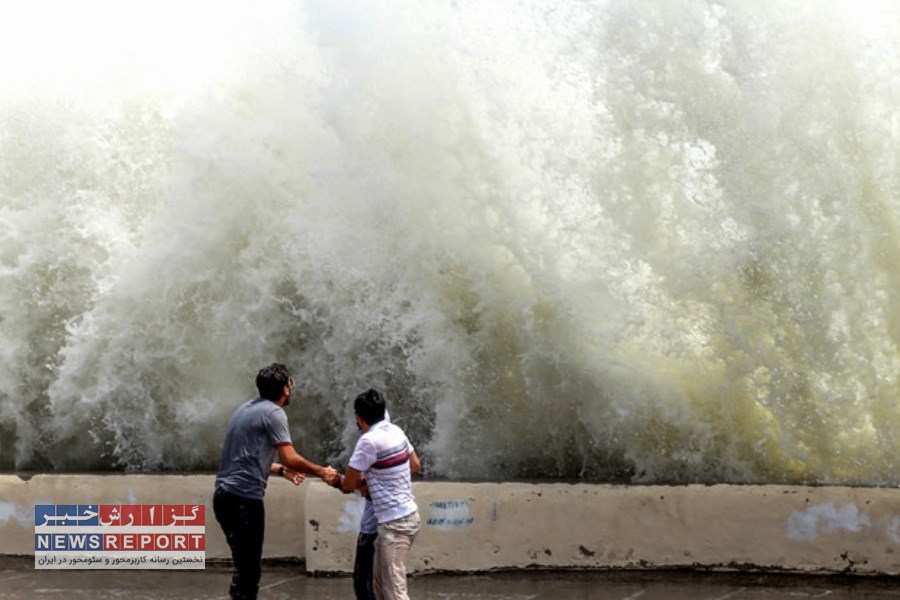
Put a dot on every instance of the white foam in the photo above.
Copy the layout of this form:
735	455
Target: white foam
648	241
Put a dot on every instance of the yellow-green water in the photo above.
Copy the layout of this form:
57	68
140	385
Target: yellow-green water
644	241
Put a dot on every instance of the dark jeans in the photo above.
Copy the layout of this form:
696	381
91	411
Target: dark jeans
243	521
362	566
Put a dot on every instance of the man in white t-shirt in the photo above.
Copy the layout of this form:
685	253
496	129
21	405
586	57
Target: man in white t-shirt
384	461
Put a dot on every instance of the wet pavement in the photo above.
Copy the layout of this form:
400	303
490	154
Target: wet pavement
19	582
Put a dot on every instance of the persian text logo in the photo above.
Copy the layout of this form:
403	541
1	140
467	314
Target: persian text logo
119	536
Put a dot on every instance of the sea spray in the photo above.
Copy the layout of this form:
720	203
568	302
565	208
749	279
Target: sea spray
651	241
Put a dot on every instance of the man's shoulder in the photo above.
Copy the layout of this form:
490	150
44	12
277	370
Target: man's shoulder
263	405
393	428
384	434
259	407
371	439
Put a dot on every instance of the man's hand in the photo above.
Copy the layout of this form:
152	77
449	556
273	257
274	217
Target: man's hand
295	477
330	475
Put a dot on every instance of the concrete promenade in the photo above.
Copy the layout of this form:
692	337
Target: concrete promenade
477	527
289	582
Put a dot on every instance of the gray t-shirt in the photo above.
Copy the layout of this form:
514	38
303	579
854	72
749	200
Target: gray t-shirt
257	428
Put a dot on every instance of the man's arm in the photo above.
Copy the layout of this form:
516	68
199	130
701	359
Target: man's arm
353	480
295	477
289	458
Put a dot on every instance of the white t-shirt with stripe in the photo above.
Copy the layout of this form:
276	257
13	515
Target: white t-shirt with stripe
382	456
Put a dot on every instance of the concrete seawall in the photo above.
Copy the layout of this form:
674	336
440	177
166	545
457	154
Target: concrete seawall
484	526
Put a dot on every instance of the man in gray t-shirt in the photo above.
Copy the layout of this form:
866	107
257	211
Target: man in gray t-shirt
257	428
256	433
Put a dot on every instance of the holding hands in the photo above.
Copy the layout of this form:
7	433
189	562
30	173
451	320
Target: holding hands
330	476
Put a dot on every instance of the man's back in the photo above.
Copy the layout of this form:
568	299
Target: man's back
382	453
256	429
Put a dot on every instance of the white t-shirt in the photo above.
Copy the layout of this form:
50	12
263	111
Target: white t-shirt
382	456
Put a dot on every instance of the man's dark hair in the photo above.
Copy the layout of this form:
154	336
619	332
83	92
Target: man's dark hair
369	406
270	381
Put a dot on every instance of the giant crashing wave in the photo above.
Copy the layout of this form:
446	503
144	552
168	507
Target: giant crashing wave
652	241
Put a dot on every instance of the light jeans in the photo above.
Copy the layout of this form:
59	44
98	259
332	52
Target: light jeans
391	548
